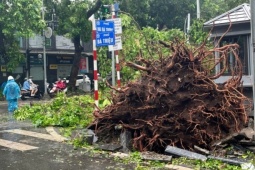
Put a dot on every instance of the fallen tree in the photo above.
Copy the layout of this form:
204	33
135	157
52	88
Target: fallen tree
176	102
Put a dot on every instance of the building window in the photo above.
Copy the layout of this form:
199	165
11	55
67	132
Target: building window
242	41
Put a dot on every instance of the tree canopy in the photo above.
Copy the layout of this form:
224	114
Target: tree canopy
172	14
18	18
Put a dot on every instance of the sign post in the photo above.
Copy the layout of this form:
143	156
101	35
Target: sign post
118	44
102	35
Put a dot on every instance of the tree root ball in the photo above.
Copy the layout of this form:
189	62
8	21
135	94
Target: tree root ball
176	102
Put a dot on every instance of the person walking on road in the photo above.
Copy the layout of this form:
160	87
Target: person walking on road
11	93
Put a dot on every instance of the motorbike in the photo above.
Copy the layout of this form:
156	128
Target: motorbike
50	86
26	94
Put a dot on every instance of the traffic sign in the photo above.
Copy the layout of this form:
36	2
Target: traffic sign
105	39
104	26
118	44
105	34
117	25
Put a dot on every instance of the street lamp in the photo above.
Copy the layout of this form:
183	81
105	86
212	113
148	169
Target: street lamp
47	33
44	54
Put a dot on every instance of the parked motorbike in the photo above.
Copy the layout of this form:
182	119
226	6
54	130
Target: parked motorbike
50	86
26	94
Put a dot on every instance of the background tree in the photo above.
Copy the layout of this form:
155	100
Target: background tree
235	3
140	10
74	23
213	8
172	14
197	35
18	18
159	13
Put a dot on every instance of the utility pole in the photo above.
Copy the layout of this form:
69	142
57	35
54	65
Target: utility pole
44	54
27	57
188	27
252	9
198	9
113	55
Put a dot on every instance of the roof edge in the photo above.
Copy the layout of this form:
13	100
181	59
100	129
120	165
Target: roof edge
244	5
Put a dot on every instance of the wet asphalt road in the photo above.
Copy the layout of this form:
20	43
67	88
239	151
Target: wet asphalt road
43	154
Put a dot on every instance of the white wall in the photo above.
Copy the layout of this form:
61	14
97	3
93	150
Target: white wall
61	42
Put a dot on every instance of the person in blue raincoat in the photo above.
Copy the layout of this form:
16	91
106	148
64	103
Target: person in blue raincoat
11	93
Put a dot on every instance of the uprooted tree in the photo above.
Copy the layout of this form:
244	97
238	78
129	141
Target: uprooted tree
176	102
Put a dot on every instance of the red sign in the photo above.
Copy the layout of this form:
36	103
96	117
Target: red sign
83	65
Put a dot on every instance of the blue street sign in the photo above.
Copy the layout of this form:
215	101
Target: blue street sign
105	39
105	34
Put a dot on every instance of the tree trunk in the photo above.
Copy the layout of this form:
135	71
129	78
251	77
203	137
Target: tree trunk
79	48
2	48
75	66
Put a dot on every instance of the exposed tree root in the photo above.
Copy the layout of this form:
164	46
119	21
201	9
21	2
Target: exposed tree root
177	103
